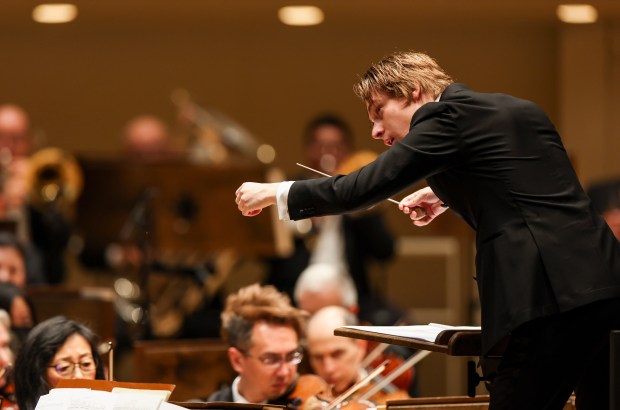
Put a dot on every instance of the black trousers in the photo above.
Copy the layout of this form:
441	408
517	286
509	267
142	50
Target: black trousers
549	358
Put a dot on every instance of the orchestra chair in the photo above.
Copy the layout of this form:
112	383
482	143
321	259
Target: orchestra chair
197	367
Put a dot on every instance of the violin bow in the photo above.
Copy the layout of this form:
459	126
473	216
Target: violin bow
379	348
415	358
377	371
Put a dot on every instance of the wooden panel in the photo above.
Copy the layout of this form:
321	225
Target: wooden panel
196	366
93	306
427	281
435	403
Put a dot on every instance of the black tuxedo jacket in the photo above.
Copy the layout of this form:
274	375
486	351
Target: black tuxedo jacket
500	164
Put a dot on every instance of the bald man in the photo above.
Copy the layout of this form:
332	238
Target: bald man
15	136
147	137
15	146
338	360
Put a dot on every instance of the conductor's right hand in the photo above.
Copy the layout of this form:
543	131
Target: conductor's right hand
252	197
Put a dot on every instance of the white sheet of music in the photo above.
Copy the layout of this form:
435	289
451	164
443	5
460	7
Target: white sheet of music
86	399
424	332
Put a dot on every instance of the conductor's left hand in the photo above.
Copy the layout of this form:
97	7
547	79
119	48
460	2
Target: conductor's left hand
252	197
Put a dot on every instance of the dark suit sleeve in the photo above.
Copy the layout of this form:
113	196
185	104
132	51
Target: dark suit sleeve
431	146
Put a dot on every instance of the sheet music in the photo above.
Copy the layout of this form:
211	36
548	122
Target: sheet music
86	399
428	332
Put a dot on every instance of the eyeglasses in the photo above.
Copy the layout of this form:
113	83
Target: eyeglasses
67	369
276	359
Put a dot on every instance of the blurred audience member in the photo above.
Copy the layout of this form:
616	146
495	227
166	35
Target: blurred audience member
56	349
606	199
147	137
7	387
321	285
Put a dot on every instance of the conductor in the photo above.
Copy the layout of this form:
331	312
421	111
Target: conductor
548	267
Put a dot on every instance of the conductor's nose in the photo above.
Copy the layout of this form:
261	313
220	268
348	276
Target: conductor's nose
377	131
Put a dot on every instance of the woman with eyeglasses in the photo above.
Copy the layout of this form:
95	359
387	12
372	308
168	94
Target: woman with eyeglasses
56	349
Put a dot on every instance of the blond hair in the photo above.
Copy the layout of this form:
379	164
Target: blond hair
254	304
399	74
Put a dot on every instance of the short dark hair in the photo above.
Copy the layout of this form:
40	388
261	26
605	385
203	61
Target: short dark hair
37	352
9	240
328	120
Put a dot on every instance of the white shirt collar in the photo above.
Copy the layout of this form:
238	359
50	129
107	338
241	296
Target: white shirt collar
237	397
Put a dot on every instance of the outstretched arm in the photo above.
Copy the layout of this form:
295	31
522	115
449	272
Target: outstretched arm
426	199
252	197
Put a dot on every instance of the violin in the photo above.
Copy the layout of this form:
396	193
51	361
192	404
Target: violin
307	386
378	354
7	396
349	400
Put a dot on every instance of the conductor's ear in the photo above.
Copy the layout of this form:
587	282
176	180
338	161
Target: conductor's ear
416	93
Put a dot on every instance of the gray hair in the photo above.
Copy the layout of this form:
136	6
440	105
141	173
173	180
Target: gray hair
319	276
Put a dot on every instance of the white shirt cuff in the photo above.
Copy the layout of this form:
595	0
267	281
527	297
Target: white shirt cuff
282	200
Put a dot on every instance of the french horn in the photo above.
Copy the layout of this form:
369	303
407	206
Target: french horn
54	179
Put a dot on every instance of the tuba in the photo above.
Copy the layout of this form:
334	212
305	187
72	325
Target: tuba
54	180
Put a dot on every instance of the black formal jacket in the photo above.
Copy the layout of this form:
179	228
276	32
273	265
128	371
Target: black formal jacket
500	164
225	394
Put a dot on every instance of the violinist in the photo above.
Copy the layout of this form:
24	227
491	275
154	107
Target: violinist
336	359
264	333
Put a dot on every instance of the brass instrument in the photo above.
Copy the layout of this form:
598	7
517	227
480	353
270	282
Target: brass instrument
216	138
54	179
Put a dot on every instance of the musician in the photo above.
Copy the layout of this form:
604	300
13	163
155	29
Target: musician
336	359
324	285
45	232
321	285
548	266
7	388
16	303
264	333
57	348
354	241
147	137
